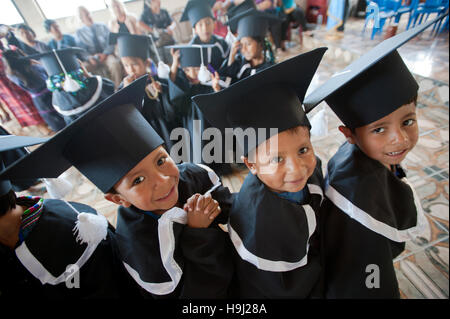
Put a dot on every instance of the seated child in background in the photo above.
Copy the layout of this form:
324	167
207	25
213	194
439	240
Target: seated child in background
199	14
38	244
168	252
370	210
189	77
74	90
272	221
255	53
157	109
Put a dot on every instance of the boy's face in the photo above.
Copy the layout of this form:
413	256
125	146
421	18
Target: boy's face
389	139
152	185
250	48
284	165
135	66
204	28
192	74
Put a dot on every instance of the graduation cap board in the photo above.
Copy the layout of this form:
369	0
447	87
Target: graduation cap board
11	142
373	86
195	55
59	61
234	11
131	45
269	99
104	144
252	23
196	10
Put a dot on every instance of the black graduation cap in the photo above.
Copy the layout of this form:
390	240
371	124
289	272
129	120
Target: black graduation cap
104	144
11	142
373	86
271	98
196	10
131	45
252	23
59	61
234	11
195	55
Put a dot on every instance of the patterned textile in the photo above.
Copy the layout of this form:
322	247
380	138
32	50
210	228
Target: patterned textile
18	101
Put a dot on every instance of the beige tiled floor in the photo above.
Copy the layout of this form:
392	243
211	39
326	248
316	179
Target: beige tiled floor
423	267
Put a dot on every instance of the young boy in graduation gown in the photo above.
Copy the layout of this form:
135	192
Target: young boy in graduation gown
169	252
189	76
370	209
74	89
156	108
249	53
233	11
199	14
273	219
51	248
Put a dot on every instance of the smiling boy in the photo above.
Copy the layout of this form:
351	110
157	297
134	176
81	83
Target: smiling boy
272	221
370	210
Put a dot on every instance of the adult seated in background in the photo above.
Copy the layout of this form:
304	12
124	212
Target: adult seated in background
294	14
158	22
7	33
28	37
93	37
122	21
269	6
60	40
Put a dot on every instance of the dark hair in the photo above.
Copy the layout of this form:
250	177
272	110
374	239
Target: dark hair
27	28
112	190
21	67
7	202
48	24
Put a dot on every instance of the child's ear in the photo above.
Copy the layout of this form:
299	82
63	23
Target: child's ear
250	166
117	199
348	134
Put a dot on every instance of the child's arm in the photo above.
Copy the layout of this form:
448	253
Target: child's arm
175	64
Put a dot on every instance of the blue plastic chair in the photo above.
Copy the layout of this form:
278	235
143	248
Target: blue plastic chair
406	9
382	10
425	9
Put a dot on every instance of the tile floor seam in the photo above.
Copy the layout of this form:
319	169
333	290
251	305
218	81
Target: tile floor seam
400	258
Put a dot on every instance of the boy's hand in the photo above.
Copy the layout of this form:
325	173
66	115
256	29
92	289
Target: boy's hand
201	210
175	57
215	82
234	50
128	80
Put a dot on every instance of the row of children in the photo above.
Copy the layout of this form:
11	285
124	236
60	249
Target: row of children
290	234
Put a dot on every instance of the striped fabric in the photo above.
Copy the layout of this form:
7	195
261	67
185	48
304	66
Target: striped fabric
31	215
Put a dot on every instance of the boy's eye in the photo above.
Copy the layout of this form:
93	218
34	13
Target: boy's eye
409	122
303	150
276	160
161	161
378	130
138	180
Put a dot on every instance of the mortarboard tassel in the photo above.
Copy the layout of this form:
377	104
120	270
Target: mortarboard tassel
203	75
90	228
319	124
163	69
70	85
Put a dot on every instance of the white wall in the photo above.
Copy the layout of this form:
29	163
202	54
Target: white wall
35	19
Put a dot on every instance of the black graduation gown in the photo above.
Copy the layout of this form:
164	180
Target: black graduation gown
276	244
72	106
367	215
219	53
180	92
168	259
36	268
241	68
